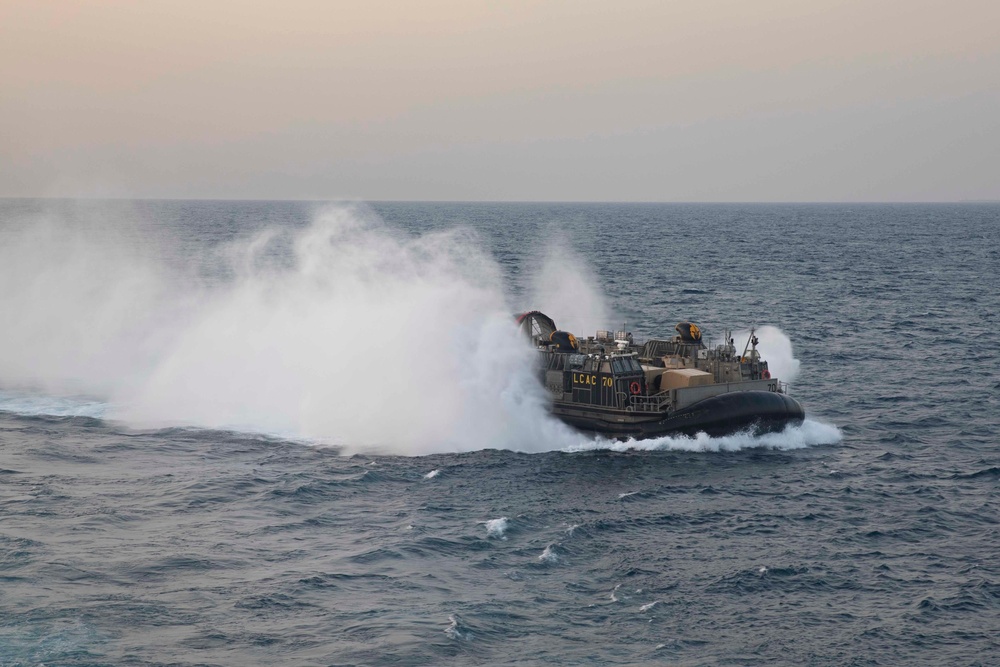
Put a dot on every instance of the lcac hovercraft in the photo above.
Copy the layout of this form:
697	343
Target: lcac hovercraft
612	385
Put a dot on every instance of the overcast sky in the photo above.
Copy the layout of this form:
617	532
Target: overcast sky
566	100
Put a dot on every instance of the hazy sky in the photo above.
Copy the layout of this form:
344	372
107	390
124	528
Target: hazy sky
700	100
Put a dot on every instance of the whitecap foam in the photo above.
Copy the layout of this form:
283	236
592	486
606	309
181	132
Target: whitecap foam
549	556
647	607
456	631
497	527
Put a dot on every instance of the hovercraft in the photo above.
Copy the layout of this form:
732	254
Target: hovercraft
615	386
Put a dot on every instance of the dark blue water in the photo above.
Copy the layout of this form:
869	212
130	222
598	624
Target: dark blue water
129	544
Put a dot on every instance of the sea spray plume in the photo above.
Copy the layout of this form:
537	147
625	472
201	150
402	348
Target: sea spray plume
506	407
348	331
563	288
86	302
364	337
345	340
775	348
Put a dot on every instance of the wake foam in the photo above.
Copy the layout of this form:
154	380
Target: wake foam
808	434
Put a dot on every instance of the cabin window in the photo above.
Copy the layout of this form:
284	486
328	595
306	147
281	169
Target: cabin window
625	365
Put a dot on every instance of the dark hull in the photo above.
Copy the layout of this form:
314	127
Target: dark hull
754	411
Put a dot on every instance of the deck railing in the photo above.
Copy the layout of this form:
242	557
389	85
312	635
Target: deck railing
639	403
659	402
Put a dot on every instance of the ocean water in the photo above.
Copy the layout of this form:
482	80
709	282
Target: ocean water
258	433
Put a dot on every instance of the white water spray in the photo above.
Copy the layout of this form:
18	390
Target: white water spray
563	289
775	348
84	305
346	332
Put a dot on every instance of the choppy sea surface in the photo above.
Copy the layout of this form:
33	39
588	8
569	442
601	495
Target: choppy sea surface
259	433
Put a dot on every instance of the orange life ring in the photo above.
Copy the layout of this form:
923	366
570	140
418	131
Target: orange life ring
766	374
635	387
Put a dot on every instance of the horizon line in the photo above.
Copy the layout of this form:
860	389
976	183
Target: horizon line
358	200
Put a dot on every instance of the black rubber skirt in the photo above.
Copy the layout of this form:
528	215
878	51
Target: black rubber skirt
741	411
750	411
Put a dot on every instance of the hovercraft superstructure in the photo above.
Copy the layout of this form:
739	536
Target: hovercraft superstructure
610	384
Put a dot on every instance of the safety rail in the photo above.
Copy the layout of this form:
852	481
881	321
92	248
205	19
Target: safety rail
660	402
655	403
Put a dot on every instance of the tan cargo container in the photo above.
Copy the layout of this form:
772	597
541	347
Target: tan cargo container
684	377
652	373
677	362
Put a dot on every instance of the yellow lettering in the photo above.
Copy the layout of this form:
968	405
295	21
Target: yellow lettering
592	380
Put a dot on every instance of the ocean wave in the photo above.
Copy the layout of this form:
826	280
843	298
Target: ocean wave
42	405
